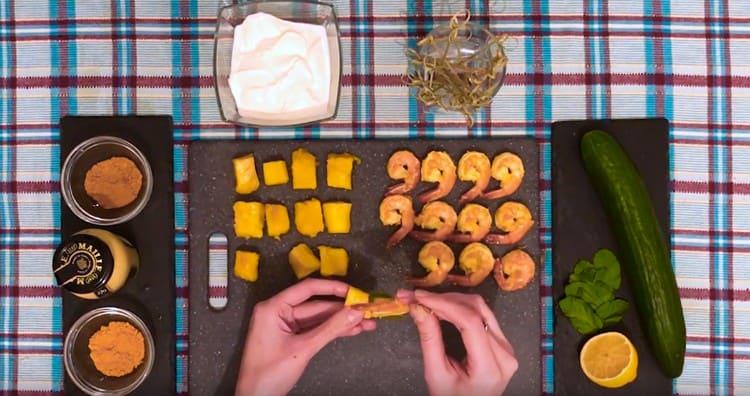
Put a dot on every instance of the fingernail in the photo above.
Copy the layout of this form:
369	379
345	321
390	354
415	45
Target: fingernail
354	316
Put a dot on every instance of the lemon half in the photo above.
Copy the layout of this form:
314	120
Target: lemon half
610	360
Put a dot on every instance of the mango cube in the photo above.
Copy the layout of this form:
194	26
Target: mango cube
275	173
337	216
333	261
339	170
303	261
246	265
356	296
246	178
303	170
308	217
277	220
248	219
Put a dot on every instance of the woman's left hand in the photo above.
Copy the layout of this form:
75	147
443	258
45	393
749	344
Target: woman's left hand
287	330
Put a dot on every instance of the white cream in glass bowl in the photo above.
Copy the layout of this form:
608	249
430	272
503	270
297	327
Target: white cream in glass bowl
277	63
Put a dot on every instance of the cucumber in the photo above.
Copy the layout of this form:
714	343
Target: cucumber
643	249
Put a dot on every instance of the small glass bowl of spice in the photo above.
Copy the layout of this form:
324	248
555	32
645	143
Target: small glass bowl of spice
108	351
106	180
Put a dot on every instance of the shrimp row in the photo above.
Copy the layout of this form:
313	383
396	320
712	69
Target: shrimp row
512	272
438	221
438	167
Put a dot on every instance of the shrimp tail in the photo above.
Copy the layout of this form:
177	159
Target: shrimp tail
462	238
509	238
424	236
432	279
470	195
401	188
431	195
398	236
469	280
497	194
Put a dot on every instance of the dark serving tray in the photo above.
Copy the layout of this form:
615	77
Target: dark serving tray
389	360
149	294
580	228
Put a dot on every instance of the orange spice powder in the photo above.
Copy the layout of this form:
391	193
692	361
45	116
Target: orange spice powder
113	183
117	349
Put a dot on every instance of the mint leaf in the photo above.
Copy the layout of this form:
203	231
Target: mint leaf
607	269
595	294
581	316
584	271
611	312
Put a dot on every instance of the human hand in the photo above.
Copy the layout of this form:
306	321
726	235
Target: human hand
490	362
287	330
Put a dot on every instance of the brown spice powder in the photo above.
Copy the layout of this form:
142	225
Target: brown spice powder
117	349
113	183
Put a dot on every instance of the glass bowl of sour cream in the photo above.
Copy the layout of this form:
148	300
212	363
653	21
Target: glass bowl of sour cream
277	63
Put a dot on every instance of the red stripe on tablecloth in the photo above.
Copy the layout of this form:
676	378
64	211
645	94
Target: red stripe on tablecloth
217	291
715	294
208	36
371	79
712	187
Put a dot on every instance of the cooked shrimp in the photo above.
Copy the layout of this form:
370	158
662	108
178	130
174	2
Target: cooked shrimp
437	258
507	168
382	307
475	167
403	165
474	223
438	167
514	270
477	262
514	219
395	210
438	216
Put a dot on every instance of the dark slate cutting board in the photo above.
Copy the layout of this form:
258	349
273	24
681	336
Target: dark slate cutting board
387	361
149	294
580	228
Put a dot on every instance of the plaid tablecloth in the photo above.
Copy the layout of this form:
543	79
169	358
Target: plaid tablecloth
688	61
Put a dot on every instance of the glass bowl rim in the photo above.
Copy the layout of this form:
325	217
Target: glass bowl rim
290	2
77	153
75	331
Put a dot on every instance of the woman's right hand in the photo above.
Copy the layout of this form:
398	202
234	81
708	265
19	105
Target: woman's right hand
490	362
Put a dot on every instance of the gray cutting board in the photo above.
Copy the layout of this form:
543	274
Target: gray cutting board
389	360
581	228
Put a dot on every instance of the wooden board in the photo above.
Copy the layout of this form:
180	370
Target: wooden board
580	228
149	294
387	361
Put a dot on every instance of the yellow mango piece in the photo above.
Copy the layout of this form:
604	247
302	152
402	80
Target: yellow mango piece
333	261
337	216
383	308
246	265
248	219
339	170
308	217
277	220
275	173
356	296
303	170
246	178
303	261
